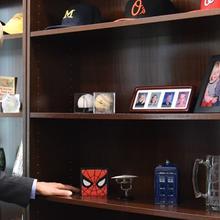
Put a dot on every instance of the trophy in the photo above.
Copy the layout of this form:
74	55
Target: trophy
2	159
126	184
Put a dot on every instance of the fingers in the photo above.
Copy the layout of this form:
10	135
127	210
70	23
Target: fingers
66	187
64	190
60	192
55	189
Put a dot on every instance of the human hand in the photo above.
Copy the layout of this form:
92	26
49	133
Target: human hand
55	189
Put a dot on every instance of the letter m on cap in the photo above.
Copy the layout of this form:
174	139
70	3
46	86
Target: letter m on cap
69	14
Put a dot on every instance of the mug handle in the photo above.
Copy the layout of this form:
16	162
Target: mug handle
197	193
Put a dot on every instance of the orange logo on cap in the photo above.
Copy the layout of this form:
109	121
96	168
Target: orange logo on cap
138	8
208	2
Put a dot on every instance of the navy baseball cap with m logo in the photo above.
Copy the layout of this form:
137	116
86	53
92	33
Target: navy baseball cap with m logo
79	14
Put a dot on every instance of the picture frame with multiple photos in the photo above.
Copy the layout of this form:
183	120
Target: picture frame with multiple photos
161	99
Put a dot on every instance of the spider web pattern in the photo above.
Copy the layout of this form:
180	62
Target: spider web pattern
94	176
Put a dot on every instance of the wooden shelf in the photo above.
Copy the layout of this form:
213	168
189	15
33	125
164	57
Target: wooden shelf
180	212
12	36
117	56
143	21
10	115
127	116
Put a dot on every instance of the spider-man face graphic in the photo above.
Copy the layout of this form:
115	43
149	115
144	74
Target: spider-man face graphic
94	182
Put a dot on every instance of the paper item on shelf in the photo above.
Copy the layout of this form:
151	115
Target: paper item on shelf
18	164
7	85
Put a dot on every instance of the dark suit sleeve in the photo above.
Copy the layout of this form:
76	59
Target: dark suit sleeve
15	189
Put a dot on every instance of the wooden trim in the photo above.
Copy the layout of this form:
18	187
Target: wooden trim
141	21
180	212
126	116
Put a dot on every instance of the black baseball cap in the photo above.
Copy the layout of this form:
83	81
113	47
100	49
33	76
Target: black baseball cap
147	8
79	14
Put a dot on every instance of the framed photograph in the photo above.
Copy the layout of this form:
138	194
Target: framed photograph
209	94
7	86
104	102
161	99
83	102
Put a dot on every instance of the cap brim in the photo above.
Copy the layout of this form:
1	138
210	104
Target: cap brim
57	26
204	9
125	19
64	26
3	24
11	31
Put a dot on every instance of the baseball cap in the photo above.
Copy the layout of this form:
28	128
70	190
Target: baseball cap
147	8
209	4
79	14
14	25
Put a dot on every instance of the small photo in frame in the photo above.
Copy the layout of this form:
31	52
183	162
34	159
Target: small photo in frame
83	102
209	93
154	99
161	99
104	102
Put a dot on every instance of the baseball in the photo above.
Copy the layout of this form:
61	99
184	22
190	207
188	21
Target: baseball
85	101
103	102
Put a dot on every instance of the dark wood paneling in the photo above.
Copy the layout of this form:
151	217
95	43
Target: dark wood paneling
47	212
63	147
114	64
164	50
60	148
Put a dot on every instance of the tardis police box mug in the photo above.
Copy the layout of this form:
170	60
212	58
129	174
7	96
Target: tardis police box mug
166	184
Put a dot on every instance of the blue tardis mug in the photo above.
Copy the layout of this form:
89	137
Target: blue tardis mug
166	184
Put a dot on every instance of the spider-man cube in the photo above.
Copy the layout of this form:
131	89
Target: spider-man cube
94	182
